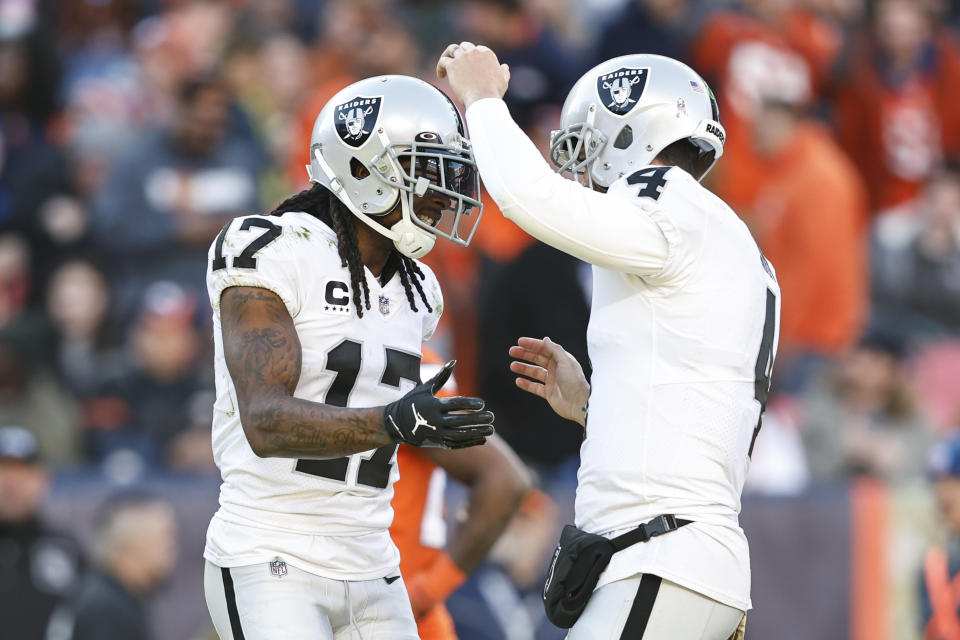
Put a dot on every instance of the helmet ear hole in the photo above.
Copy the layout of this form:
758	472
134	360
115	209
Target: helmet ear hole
357	169
624	138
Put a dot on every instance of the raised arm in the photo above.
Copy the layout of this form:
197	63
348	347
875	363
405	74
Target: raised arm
263	355
610	232
497	481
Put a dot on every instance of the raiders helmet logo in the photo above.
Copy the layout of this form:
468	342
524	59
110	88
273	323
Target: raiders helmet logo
355	119
621	89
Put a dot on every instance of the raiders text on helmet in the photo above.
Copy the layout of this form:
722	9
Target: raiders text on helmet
388	140
625	111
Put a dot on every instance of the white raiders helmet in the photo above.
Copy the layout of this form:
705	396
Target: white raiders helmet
625	111
404	137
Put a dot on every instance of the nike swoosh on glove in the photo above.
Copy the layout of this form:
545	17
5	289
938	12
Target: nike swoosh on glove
422	419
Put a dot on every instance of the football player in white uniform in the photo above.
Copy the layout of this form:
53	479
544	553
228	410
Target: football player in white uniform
320	310
682	336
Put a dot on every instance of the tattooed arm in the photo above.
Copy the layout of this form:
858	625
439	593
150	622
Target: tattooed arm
263	354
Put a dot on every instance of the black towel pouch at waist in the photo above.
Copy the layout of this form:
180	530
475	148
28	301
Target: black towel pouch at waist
581	557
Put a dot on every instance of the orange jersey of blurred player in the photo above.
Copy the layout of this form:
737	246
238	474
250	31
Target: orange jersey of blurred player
496	481
740	53
419	526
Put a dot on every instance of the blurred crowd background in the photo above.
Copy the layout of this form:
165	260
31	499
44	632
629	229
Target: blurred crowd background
132	130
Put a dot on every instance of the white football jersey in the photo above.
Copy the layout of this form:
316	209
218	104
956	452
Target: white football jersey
682	336
328	516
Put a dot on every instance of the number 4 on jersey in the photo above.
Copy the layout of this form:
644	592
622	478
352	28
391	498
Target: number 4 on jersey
651	180
764	364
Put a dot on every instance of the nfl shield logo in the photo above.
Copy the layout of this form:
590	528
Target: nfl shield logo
621	89
278	568
356	118
385	305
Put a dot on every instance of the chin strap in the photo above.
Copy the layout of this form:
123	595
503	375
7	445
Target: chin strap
409	239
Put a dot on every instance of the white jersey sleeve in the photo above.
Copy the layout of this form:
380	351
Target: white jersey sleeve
610	232
253	252
667	196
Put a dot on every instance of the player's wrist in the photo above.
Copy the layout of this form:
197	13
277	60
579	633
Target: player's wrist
480	93
390	417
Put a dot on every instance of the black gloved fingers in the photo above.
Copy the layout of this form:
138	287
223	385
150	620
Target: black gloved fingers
468	443
460	420
461	403
436	382
468	432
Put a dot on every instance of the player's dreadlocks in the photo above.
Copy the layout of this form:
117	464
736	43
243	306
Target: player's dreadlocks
323	205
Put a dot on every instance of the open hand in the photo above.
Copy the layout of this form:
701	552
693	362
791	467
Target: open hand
557	376
474	72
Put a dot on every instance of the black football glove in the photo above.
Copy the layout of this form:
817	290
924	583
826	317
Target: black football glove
424	420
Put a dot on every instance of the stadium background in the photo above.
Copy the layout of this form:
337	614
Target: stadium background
130	130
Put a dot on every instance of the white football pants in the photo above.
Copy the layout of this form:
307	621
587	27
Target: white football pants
249	603
654	610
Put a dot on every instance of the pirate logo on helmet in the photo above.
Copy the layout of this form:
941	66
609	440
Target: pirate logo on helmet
621	89
356	118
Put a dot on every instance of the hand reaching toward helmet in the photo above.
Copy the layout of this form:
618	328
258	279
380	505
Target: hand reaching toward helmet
424	420
474	72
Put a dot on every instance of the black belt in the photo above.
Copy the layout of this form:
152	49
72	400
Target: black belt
651	529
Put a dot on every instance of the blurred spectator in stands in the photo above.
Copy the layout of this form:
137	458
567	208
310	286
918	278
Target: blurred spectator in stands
15	277
102	88
271	82
935	374
184	40
38	566
32	169
916	260
541	292
30	393
778	465
664	27
542	70
862	417
501	598
361	38
134	551
939	598
896	109
191	450
78	300
740	53
29	74
47	209
167	198
157	385
808	218
261	19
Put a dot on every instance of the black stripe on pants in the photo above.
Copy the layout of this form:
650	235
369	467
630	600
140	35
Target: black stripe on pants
235	627
642	606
